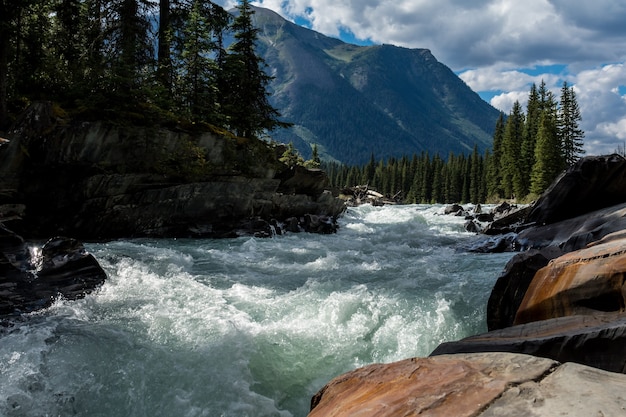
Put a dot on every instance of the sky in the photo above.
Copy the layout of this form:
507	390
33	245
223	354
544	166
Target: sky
498	47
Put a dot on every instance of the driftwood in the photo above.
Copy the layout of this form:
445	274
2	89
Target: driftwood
362	194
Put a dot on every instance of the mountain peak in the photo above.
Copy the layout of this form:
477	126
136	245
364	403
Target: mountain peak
354	101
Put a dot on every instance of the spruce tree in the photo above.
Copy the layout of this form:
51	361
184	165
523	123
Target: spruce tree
571	136
510	163
531	127
244	94
475	176
548	157
494	176
197	70
9	12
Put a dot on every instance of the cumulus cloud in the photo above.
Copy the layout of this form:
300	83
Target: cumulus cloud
603	106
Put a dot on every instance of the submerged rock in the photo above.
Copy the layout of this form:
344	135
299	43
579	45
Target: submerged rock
31	279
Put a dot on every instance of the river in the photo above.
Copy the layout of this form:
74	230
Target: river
247	326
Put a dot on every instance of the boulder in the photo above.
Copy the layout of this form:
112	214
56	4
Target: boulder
510	288
31	279
591	184
595	340
577	232
579	282
477	385
585	203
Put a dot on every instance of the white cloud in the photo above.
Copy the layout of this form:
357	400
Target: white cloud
504	102
494	79
602	106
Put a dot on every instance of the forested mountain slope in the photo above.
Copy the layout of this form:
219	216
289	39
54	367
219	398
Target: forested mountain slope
353	101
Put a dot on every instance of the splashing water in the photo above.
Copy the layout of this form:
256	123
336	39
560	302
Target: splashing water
247	327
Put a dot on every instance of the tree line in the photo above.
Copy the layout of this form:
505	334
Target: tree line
160	59
529	151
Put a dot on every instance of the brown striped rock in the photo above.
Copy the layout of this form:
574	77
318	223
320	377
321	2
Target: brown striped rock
477	385
581	282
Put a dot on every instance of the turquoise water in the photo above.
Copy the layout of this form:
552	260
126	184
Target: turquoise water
247	327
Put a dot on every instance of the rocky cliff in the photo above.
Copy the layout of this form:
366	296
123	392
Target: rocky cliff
563	299
96	180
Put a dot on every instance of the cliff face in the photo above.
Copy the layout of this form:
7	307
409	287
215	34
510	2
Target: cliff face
95	180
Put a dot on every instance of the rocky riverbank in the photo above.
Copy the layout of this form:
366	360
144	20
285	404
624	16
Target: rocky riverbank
97	181
556	318
94	180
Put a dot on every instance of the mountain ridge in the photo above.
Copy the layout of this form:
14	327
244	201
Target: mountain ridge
354	101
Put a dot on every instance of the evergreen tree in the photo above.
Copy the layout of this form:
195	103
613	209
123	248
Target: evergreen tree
128	52
571	136
494	176
246	98
197	71
10	10
475	174
531	127
510	163
369	171
315	161
164	46
548	157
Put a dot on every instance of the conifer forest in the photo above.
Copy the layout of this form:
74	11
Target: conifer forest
530	149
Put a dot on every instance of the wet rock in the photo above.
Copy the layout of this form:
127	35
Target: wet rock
510	288
30	281
578	282
578	232
595	340
454	209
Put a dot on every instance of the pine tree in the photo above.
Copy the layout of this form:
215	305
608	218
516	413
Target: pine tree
197	71
531	127
475	177
548	157
245	95
315	161
9	12
164	46
494	176
570	135
369	171
510	163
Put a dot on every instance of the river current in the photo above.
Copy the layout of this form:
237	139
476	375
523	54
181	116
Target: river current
247	326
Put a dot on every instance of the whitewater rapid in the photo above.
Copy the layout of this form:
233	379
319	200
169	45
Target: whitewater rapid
246	326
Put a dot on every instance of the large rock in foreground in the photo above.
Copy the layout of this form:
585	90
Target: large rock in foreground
480	385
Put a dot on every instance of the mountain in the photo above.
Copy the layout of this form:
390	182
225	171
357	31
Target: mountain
353	101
